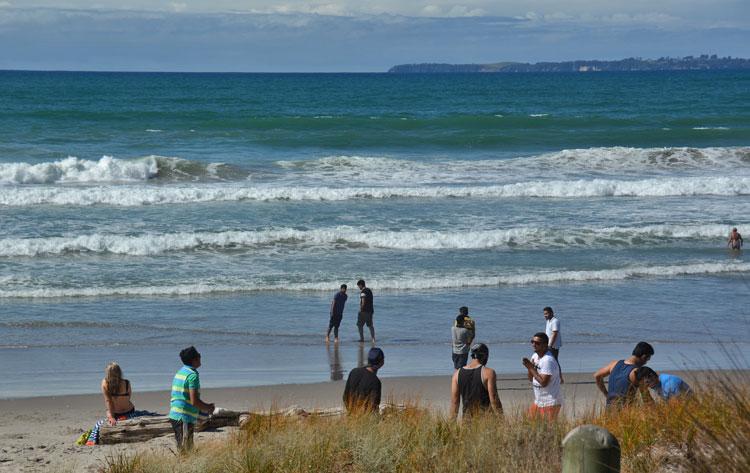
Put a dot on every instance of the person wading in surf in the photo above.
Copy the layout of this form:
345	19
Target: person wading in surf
735	239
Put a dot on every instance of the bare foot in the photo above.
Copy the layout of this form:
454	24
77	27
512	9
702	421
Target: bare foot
335	341
327	340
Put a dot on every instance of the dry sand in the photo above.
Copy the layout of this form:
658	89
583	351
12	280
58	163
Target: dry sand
39	434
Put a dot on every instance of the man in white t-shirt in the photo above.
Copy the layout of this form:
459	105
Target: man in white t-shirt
544	374
553	334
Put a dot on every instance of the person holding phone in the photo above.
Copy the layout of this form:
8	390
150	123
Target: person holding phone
544	374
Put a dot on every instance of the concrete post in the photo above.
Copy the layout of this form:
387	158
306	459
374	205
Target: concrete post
590	449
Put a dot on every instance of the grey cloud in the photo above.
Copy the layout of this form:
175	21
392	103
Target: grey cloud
140	40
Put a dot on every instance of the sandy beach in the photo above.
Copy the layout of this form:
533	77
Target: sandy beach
39	434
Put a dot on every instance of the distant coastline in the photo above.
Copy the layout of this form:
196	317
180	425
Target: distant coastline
688	63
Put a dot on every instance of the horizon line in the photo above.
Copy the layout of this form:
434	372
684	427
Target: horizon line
115	71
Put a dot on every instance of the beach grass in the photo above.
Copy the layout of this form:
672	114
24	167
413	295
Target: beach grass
707	432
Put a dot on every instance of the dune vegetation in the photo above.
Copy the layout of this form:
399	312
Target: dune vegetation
708	432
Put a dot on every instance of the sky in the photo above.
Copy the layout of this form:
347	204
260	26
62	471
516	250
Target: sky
357	35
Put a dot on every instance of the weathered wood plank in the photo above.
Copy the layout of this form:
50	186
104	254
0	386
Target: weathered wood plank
142	429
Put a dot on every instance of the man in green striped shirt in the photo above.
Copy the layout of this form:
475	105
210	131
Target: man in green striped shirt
186	404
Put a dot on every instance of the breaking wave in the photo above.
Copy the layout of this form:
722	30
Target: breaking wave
73	170
137	195
610	160
413	282
525	237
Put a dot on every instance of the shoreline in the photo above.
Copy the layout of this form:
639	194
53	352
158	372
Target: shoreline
583	377
39	433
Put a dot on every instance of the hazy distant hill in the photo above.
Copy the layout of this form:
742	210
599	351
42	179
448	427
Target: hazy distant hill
687	63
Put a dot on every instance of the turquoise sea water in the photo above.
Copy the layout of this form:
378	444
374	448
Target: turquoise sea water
145	212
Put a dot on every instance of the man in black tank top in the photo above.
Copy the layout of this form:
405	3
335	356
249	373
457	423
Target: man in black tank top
474	385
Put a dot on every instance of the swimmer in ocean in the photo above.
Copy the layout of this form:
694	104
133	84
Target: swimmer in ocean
735	239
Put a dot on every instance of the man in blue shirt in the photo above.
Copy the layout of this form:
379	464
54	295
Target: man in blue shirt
337	313
666	386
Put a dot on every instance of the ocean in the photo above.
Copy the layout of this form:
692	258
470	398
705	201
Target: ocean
145	212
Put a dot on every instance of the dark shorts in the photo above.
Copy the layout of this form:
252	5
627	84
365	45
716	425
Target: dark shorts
460	360
555	353
183	434
335	321
364	318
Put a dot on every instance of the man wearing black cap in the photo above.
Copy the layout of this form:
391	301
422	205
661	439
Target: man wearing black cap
475	385
362	391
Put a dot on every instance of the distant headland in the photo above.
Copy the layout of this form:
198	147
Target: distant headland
703	62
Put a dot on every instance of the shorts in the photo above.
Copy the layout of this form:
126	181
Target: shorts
183	434
548	413
555	353
335	321
364	318
460	360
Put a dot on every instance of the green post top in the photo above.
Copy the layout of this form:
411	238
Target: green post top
590	449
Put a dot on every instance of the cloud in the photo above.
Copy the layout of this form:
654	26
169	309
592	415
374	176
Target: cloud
451	11
636	20
331	39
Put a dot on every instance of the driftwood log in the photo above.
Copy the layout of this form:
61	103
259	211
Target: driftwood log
146	428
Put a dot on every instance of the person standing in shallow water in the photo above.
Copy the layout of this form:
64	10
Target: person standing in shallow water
366	309
462	334
735	239
475	386
337	313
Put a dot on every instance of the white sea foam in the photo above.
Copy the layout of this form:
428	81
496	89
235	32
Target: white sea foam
710	128
525	237
129	195
109	170
74	170
406	282
612	160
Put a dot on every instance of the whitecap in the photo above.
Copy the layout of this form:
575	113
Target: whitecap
132	195
406	282
406	240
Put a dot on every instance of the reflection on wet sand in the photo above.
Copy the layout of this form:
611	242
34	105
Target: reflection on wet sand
334	362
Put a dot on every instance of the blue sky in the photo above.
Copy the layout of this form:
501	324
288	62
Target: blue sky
353	35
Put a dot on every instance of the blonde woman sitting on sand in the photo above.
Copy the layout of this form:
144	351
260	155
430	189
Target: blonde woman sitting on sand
116	391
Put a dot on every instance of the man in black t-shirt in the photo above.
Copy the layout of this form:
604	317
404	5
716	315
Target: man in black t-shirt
365	311
362	391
